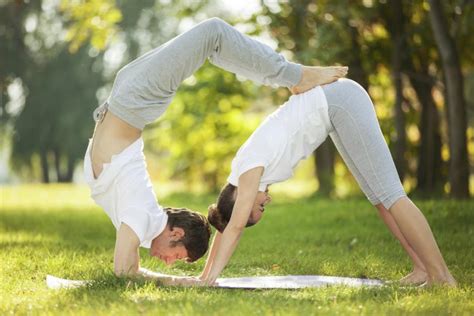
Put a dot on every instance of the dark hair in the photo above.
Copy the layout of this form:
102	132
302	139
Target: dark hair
196	230
219	215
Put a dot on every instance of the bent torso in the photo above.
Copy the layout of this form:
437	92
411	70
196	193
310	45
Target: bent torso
111	136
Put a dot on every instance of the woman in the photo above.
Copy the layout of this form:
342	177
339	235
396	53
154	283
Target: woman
343	110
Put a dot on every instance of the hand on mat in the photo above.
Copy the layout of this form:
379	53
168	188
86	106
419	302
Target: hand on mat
185	281
209	281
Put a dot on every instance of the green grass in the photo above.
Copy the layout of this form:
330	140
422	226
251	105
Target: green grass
58	230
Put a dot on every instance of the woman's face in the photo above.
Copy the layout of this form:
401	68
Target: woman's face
261	200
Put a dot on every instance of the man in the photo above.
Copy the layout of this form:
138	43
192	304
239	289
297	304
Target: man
114	164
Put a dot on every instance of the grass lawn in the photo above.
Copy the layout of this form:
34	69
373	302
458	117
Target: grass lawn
58	230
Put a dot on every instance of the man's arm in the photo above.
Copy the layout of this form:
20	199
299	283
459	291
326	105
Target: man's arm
126	257
246	194
127	261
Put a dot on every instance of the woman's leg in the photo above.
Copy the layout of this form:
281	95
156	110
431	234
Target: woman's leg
359	139
418	275
416	230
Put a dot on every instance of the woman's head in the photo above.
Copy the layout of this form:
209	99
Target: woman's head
221	212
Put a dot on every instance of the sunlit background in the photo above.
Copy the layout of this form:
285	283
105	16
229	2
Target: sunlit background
58	60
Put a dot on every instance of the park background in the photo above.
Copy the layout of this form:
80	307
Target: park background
58	60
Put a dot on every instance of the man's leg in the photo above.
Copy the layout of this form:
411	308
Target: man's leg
168	65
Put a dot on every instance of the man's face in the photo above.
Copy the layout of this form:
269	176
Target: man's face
164	246
261	200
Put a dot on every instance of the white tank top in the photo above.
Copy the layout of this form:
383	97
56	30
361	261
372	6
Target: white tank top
284	138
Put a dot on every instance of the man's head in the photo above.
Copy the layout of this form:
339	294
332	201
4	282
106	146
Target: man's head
186	236
220	213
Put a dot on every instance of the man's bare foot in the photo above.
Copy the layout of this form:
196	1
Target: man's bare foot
316	76
416	277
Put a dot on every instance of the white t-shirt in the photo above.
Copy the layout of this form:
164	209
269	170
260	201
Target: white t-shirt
285	137
124	191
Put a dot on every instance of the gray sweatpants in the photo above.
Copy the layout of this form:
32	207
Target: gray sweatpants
144	88
356	133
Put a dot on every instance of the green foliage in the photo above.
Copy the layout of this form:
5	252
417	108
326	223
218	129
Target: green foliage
91	20
57	230
210	118
57	114
204	126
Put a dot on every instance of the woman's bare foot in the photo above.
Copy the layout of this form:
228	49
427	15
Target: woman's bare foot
416	277
447	280
316	76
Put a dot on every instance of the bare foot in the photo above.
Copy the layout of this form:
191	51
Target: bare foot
416	277
448	280
316	76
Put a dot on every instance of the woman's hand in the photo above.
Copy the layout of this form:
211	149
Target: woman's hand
210	280
184	281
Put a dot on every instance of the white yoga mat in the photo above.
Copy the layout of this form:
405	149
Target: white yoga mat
262	282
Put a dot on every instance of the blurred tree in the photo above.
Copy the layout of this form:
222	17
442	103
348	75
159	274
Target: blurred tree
56	121
396	27
13	52
372	36
421	68
209	104
456	104
91	20
204	127
327	33
59	91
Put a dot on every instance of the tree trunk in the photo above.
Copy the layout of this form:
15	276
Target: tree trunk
456	104
44	166
429	172
57	165
356	71
324	163
398	49
69	170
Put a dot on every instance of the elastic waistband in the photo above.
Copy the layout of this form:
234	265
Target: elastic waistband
126	115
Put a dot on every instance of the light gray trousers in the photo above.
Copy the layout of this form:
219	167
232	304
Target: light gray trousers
359	140
144	88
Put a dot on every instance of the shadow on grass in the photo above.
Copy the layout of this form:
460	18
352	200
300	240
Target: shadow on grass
85	229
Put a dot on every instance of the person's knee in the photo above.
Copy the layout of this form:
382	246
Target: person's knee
350	86
396	200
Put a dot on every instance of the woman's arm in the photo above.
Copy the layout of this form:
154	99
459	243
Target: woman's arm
210	258
246	194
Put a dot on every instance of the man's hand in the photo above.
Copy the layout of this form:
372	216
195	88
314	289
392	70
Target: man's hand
126	257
